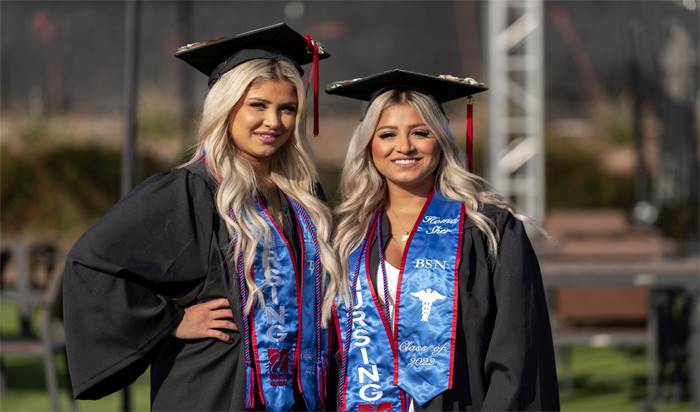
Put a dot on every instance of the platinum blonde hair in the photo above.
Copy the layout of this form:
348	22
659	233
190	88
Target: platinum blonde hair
363	188
292	170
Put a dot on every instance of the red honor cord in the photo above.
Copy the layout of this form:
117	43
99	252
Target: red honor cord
470	135
312	47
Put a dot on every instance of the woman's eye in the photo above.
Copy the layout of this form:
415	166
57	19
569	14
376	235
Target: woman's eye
421	133
257	105
289	109
386	135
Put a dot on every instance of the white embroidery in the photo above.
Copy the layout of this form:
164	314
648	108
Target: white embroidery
427	297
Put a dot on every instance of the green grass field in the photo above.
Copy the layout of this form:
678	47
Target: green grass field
603	379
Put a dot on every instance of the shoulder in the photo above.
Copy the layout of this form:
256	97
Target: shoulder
174	196
165	225
188	181
499	216
199	173
168	208
507	228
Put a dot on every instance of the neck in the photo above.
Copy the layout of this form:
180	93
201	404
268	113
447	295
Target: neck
261	169
408	198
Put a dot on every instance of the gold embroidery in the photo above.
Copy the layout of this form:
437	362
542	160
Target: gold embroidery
196	45
463	80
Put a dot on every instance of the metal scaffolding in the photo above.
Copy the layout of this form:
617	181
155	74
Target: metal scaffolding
516	103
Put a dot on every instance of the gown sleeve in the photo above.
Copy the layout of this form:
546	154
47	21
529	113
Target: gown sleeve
124	276
519	365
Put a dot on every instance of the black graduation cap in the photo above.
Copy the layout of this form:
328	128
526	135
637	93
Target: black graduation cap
442	88
218	56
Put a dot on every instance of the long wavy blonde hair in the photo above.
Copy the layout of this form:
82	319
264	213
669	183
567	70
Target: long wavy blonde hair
292	170
363	188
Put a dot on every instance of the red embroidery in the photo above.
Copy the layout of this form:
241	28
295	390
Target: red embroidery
278	366
382	407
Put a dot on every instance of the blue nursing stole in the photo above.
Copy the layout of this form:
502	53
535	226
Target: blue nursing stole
285	332
425	317
381	366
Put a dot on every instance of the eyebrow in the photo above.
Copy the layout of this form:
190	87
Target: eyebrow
413	126
259	99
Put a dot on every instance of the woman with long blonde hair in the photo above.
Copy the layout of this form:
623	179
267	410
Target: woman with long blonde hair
448	309
218	274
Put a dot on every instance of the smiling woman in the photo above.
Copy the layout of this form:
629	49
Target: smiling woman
441	270
263	120
404	150
218	274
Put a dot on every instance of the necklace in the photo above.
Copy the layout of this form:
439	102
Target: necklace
404	237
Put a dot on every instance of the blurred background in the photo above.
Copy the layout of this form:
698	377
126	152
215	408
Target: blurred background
590	127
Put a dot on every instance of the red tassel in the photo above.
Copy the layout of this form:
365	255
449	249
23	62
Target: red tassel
312	47
470	135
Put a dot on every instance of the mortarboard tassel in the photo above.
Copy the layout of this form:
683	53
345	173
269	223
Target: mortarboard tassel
470	134
312	47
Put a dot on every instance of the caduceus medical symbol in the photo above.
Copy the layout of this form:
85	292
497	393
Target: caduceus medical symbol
427	297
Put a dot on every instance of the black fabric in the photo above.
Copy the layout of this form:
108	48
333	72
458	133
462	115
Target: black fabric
218	56
504	357
247	55
442	88
127	281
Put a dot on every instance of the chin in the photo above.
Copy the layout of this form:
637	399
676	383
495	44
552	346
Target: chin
406	181
264	154
266	150
410	180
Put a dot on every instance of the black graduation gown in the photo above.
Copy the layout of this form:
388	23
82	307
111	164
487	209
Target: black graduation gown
504	357
127	281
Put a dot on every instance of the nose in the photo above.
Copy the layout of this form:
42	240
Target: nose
271	119
404	145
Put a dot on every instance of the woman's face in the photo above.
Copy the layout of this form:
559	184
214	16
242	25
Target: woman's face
404	150
264	118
